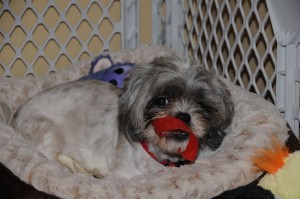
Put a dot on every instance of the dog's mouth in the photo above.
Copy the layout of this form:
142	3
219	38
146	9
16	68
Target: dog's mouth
177	135
174	128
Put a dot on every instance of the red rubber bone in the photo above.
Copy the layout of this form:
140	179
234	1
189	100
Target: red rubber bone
164	125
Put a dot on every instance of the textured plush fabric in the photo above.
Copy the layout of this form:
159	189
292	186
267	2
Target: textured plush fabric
254	124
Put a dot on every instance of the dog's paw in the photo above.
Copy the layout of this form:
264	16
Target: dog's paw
75	167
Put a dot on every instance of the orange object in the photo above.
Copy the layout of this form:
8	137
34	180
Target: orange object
270	160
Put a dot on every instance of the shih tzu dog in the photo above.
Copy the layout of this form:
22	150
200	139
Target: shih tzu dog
95	128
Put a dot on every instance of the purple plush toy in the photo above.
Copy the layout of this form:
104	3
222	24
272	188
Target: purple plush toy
113	73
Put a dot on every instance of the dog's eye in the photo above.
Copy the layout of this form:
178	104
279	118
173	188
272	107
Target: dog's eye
162	101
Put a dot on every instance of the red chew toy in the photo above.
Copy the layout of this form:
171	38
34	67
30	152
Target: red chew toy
167	124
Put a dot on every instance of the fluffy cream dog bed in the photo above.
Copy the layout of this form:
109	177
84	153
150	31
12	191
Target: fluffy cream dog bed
254	124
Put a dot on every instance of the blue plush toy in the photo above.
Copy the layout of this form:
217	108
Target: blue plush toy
113	73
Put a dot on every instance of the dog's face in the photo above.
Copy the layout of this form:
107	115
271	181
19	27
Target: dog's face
168	86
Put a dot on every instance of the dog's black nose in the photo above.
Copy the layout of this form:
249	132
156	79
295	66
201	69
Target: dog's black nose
184	117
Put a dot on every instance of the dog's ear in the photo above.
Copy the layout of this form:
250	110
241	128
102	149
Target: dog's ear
216	104
221	114
132	102
128	126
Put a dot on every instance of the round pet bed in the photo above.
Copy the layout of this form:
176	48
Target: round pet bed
255	123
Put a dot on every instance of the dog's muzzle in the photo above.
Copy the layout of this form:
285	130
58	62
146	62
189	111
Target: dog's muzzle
177	128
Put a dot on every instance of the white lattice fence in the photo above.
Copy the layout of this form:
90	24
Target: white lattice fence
39	37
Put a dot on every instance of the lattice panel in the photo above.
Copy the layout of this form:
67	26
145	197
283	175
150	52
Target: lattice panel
39	37
159	18
234	38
